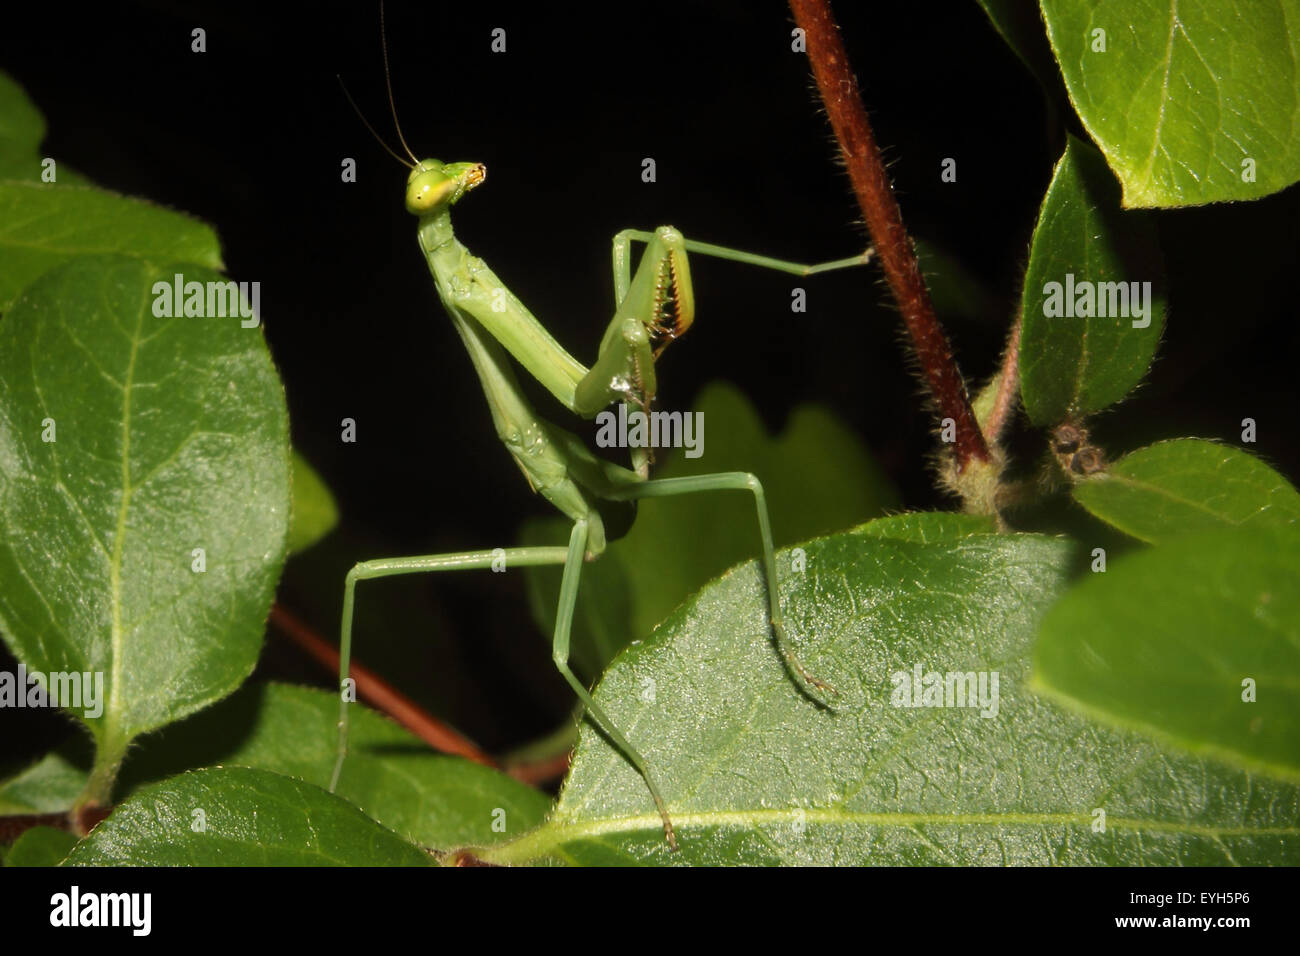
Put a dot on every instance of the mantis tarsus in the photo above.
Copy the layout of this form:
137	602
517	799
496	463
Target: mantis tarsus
653	306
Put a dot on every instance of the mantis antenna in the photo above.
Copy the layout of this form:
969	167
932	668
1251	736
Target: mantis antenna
388	81
392	104
362	116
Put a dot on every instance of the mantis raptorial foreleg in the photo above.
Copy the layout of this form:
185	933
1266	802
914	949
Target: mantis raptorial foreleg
656	306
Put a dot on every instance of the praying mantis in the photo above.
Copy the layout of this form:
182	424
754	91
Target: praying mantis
654	305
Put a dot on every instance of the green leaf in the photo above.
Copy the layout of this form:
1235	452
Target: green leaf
51	785
1072	365
817	478
431	799
43	226
1021	26
170	435
240	817
1164	640
314	512
40	846
21	129
754	773
1184	93
954	289
1175	487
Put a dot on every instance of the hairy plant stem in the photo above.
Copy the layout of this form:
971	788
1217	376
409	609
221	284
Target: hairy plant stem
839	93
1002	391
110	750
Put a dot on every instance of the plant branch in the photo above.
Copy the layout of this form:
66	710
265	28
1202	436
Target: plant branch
1008	387
537	772
839	94
381	695
78	822
12	827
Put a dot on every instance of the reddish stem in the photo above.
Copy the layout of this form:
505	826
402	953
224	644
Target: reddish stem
381	695
539	772
388	700
839	92
78	822
12	827
1008	387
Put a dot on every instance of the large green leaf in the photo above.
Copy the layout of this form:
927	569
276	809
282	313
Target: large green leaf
240	817
1072	364
1165	639
1175	487
433	800
42	226
753	772
817	478
170	435
1185	93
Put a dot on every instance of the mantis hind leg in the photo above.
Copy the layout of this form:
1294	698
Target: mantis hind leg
571	557
738	481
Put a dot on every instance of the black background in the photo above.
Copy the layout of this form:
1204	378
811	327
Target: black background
249	136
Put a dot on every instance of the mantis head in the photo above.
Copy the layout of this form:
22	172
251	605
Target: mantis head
434	186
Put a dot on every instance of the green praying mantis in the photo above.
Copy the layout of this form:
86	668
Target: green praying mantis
653	307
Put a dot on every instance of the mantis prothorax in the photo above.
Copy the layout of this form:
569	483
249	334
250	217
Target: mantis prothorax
653	306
